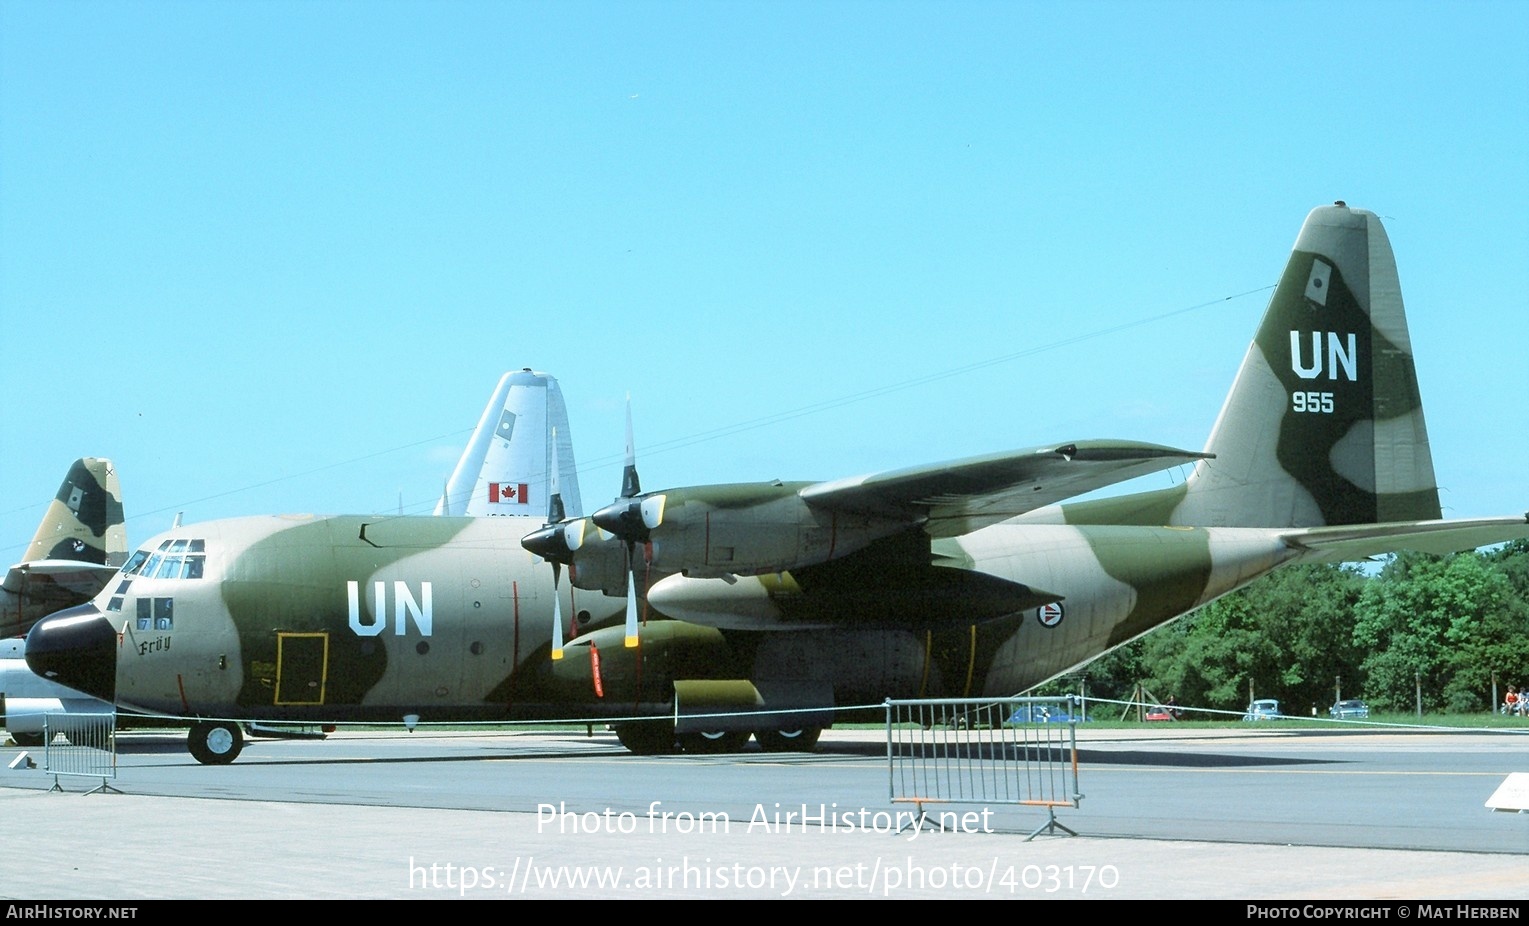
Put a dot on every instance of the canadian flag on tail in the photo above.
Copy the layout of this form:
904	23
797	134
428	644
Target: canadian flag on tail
508	493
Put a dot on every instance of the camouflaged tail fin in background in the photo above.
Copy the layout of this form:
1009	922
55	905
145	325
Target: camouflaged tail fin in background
78	547
1324	425
84	522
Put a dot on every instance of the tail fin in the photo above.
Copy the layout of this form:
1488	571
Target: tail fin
505	468
77	549
84	522
1324	424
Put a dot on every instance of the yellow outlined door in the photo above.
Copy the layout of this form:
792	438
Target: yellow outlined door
302	666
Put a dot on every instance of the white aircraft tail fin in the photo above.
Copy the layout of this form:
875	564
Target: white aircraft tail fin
506	467
1324	423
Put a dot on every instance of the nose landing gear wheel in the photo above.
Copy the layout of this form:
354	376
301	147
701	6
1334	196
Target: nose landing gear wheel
215	743
801	740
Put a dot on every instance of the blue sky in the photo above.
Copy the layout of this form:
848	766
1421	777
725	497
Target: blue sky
273	257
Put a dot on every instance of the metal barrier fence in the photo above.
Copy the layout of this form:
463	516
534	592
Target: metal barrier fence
82	745
1021	751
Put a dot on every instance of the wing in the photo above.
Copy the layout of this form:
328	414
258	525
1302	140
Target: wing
958	497
770	527
1345	544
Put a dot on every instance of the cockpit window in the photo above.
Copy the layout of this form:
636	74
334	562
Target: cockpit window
175	565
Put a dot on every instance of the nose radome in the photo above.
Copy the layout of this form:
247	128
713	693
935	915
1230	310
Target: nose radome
76	647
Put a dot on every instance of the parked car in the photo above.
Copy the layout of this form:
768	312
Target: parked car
1161	713
1349	710
1263	709
1060	716
1030	713
1040	713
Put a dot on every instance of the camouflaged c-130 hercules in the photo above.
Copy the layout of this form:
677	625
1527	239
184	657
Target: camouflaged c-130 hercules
79	545
772	606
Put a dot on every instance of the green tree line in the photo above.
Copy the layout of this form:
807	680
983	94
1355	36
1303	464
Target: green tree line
1435	630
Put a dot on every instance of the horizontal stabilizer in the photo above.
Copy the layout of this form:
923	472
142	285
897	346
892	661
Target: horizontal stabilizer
80	577
961	496
1358	542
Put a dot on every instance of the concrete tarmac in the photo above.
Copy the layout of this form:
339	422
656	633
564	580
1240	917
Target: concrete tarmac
125	847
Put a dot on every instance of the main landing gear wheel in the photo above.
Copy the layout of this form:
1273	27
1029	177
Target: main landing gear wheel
800	740
647	738
32	740
714	742
215	743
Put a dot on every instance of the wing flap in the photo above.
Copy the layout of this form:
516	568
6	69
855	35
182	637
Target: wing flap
961	496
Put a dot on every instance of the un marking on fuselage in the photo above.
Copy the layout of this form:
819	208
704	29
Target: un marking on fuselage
405	606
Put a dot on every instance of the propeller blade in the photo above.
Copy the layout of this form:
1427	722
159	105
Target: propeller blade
557	615
631	600
629	485
551	543
555	502
630	516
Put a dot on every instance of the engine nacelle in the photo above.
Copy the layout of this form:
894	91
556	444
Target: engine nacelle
724	530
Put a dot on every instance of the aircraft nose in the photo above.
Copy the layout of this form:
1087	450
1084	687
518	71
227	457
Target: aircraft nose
76	647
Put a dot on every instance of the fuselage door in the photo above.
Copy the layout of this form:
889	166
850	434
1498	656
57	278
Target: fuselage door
302	665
